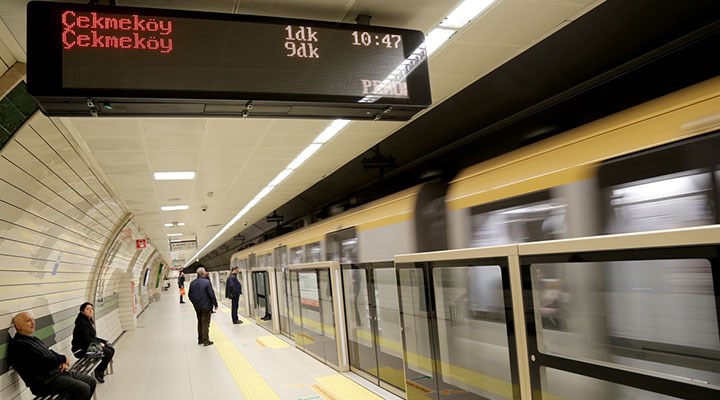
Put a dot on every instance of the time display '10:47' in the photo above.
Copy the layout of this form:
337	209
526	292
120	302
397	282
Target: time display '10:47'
368	39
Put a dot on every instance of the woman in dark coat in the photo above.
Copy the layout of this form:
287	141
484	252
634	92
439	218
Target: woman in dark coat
84	335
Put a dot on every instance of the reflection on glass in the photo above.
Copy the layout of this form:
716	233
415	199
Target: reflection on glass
387	309
241	302
544	220
282	300
311	315
566	385
296	318
665	202
474	354
656	315
328	317
416	332
357	305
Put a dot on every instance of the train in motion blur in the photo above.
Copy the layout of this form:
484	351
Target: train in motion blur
584	266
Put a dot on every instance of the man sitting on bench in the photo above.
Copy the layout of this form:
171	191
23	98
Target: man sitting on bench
44	371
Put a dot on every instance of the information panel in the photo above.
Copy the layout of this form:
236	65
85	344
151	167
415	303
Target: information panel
89	51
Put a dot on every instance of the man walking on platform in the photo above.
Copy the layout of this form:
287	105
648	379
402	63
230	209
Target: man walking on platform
233	290
202	296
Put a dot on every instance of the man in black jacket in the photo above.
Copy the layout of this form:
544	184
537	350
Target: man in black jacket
181	286
234	290
44	371
203	299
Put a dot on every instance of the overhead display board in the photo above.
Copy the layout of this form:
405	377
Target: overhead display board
110	60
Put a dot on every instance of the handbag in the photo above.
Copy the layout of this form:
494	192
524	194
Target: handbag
94	351
182	291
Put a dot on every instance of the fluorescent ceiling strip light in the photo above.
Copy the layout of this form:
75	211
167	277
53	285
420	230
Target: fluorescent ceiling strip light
302	157
264	192
280	177
174	208
174	234
331	130
174	176
175	224
465	12
327	134
436	38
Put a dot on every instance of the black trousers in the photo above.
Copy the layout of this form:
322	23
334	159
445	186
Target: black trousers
108	353
203	325
74	384
234	308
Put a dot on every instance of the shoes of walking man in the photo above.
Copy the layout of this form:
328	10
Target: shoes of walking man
208	343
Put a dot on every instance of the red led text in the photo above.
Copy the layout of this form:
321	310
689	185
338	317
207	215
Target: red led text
131	32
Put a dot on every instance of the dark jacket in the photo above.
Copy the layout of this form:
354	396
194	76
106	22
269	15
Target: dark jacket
181	281
202	294
33	361
233	288
83	335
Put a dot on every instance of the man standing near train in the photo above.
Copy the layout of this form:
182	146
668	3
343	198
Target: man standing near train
233	290
202	296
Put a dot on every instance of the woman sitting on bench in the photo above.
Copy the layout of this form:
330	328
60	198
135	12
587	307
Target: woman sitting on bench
84	335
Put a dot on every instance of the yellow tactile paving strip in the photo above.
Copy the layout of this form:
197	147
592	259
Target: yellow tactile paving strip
336	387
272	342
248	380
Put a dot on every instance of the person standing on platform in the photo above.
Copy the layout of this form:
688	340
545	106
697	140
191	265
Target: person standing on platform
233	290
44	371
202	296
181	286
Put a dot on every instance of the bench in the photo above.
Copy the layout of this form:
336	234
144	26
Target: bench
85	366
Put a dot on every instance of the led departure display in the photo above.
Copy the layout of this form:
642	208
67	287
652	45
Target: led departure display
108	53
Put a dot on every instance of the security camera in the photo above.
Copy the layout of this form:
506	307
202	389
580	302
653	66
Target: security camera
204	208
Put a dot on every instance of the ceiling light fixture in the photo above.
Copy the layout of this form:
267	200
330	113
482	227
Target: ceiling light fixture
174	208
174	234
465	12
436	38
174	224
174	176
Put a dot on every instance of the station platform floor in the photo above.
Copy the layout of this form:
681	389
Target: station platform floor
161	359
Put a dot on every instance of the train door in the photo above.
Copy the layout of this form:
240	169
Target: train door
280	256
263	306
319	311
457	323
373	324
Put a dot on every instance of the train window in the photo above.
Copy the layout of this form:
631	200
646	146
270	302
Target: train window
297	255
669	186
657	315
342	246
665	202
522	219
280	257
313	252
265	260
